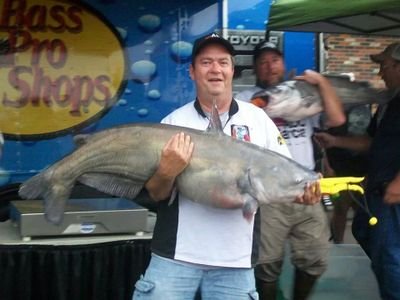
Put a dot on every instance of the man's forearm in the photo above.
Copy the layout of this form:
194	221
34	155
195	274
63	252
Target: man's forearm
332	105
355	143
159	187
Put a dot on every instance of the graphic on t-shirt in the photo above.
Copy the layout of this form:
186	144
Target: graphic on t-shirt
292	130
240	132
281	140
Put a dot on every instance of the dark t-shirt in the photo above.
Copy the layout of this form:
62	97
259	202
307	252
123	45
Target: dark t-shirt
343	161
384	154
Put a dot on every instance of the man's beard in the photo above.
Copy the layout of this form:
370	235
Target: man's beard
268	83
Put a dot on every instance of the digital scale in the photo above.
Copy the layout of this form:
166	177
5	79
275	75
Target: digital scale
87	216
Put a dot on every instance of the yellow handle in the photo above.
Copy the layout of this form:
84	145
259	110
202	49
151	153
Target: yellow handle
334	185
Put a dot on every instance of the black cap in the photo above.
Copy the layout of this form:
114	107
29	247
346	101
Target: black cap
213	38
265	46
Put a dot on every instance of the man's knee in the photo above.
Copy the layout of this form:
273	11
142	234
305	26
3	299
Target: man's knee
312	260
315	269
314	264
268	272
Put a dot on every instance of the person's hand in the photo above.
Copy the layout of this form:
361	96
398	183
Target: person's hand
312	194
392	192
325	140
175	155
311	77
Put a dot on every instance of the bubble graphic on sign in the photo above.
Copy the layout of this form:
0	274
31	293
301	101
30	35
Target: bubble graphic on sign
143	112
240	27
4	177
149	23
181	51
143	71
154	94
122	102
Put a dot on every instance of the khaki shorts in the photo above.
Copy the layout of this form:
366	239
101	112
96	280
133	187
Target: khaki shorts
304	227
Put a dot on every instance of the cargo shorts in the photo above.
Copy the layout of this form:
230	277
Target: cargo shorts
304	227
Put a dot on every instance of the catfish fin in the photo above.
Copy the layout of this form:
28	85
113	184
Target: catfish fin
252	185
112	184
55	194
54	203
250	206
215	124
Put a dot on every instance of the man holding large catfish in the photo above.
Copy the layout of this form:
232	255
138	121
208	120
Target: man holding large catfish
197	247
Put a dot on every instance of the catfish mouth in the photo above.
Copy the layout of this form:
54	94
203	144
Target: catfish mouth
297	188
261	99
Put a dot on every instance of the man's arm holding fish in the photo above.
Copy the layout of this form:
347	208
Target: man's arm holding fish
355	143
359	144
175	156
332	105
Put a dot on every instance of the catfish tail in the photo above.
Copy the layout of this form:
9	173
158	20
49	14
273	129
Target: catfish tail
33	188
54	192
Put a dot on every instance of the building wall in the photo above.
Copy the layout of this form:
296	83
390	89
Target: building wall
345	53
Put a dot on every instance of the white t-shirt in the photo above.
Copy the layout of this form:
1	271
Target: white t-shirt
248	94
204	235
298	135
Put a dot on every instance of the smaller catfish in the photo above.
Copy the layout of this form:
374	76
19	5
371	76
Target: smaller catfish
295	100
223	172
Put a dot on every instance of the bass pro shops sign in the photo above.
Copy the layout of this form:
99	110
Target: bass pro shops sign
61	66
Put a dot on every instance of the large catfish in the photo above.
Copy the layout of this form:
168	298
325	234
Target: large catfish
223	172
295	100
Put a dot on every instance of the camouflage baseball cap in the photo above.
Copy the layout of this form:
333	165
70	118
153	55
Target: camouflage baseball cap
393	51
265	46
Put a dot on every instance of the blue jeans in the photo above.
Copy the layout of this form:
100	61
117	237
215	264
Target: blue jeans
169	280
381	243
